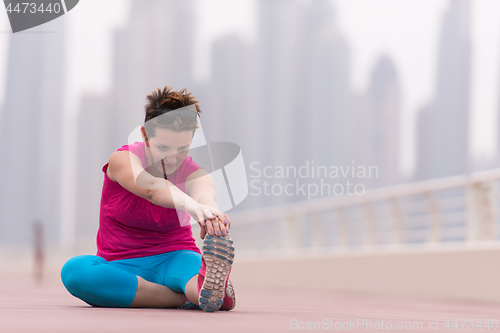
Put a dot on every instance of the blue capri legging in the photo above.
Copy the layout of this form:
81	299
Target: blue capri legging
114	283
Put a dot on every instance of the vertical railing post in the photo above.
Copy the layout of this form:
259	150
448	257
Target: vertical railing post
294	233
398	220
343	227
480	212
435	217
272	235
371	223
317	229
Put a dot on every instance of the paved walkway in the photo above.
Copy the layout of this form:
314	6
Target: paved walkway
27	307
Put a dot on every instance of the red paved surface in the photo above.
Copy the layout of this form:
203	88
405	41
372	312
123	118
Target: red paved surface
27	307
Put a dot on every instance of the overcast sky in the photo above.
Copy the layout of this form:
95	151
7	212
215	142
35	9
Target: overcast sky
406	30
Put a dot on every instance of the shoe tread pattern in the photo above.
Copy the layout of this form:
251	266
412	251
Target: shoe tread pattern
218	254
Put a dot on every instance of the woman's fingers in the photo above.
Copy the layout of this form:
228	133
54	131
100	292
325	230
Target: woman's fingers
225	219
207	213
216	228
203	231
208	227
213	221
224	223
207	218
227	222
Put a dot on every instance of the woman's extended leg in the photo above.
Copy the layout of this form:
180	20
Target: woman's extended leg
152	295
209	286
99	283
192	290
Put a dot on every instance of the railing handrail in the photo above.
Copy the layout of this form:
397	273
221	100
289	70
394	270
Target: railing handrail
370	196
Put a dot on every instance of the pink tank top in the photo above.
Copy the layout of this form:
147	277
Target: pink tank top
131	227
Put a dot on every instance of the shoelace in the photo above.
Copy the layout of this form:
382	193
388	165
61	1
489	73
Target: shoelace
190	306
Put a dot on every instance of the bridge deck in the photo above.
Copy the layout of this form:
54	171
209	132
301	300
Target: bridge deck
48	307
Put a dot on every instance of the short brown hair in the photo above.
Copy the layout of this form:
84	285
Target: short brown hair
169	99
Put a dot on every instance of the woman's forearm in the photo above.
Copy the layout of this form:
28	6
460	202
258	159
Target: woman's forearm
164	193
161	192
208	200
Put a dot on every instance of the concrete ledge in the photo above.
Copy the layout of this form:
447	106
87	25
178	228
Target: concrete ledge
463	273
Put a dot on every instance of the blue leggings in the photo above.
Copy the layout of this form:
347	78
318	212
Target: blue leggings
114	283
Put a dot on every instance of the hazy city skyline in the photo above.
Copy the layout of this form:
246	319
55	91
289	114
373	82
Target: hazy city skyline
292	84
295	80
406	44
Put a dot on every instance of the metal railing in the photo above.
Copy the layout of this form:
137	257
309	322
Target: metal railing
460	209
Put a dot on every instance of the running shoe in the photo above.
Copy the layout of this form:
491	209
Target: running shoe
188	305
218	256
229	299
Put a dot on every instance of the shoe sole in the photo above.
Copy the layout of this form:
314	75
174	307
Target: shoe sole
218	253
230	293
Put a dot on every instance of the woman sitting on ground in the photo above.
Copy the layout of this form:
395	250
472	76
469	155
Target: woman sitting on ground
146	254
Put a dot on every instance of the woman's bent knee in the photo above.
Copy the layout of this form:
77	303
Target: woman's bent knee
76	273
98	283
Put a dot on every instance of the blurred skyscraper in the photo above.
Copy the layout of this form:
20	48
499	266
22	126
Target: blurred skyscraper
443	131
363	119
278	43
229	99
93	150
324	130
31	133
303	96
425	141
385	101
154	49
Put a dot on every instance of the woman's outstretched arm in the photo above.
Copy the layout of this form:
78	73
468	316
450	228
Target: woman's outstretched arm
201	187
126	169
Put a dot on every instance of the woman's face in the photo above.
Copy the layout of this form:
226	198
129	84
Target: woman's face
171	147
